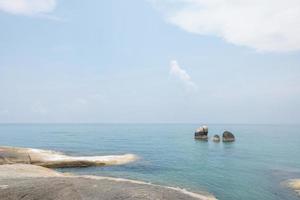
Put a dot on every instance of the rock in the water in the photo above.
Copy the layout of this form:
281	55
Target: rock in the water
201	133
216	138
295	185
228	137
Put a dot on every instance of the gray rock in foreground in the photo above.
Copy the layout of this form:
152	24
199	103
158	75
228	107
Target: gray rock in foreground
28	182
82	188
228	137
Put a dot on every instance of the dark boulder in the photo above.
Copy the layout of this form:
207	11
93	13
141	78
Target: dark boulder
201	133
228	137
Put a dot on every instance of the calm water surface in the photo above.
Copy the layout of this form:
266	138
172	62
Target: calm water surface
253	167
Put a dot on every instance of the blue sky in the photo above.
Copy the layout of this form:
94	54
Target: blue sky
147	61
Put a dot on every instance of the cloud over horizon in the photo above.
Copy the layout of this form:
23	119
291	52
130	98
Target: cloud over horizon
182	75
265	25
27	7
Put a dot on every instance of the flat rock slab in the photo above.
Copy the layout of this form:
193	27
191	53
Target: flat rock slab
53	159
20	182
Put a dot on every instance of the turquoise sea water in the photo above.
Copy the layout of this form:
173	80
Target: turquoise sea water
253	167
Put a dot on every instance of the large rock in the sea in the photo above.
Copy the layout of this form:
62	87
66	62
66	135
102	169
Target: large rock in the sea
29	182
228	137
216	138
201	133
53	159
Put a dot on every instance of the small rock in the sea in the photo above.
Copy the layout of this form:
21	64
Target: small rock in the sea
216	138
228	137
295	185
201	133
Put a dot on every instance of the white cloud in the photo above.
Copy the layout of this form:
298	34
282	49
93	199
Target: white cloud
180	73
265	25
27	7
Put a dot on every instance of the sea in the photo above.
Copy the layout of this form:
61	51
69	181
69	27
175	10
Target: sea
254	167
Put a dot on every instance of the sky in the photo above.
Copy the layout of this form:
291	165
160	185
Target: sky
150	61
